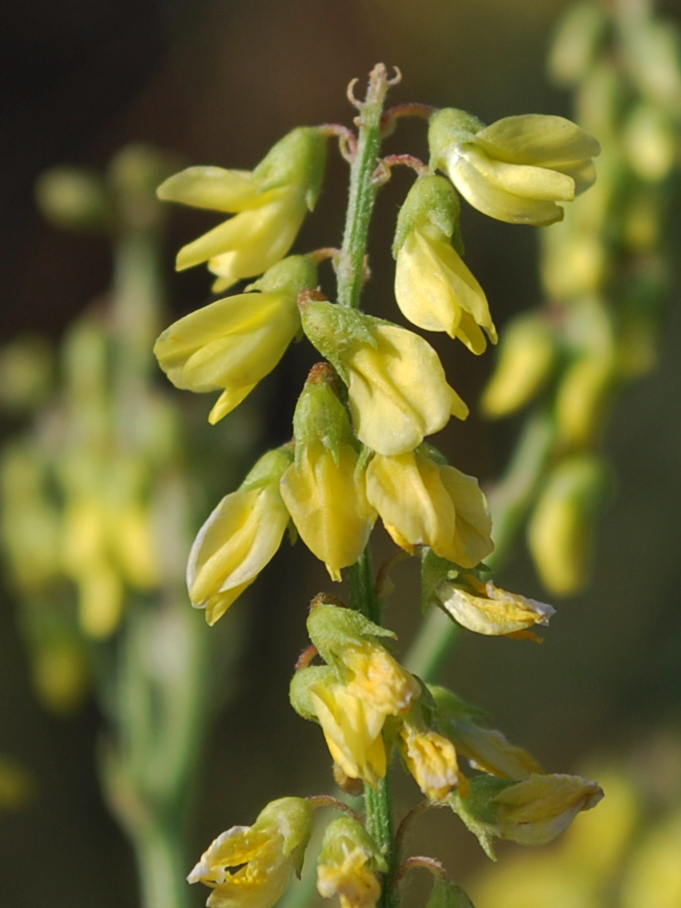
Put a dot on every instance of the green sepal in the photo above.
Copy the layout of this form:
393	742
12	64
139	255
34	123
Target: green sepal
334	329
320	415
451	708
291	276
302	681
448	895
331	627
477	811
431	202
269	468
298	158
449	127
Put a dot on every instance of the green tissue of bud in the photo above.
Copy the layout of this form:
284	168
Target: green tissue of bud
331	627
448	895
432	200
300	158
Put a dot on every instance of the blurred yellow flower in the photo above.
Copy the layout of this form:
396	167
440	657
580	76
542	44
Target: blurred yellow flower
239	538
517	169
250	866
270	202
425	503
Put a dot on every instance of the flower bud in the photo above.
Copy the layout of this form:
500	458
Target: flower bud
323	489
250	866
397	390
433	287
650	143
349	865
527	357
517	169
425	503
532	812
487	609
560	531
239	538
448	895
235	342
270	202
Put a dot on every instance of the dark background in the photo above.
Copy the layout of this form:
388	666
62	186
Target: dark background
218	82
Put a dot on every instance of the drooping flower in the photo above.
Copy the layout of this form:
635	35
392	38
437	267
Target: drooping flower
250	866
349	865
324	488
270	202
433	287
487	609
397	389
422	502
519	168
531	812
239	538
431	759
235	342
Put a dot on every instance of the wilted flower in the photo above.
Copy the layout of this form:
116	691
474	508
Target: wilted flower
517	169
433	287
235	342
490	610
431	759
250	866
397	389
239	538
422	502
349	865
271	203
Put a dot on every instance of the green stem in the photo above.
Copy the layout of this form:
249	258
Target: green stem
350	277
509	502
350	267
162	868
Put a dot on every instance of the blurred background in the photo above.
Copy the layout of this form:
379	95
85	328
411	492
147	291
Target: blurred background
218	83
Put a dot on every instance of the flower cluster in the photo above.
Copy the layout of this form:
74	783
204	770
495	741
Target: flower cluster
360	451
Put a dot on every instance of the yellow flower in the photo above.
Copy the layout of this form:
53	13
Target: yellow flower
326	499
425	503
239	538
517	169
437	292
352	712
490	610
349	864
397	389
250	866
235	342
431	759
323	489
433	287
271	203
